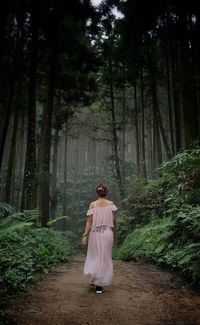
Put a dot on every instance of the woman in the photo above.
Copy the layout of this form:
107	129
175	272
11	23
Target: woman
101	221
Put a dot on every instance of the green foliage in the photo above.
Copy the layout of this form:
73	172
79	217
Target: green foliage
33	216
5	210
161	219
152	242
27	251
145	242
144	202
52	222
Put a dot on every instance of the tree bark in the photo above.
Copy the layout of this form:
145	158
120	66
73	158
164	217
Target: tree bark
142	156
11	94
54	174
47	114
114	127
29	187
190	109
65	173
137	136
169	97
11	159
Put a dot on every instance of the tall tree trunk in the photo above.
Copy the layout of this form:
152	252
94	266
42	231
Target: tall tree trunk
176	97
157	152
54	174
65	173
3	18
156	110
162	131
48	110
142	156
114	127
29	188
169	97
137	136
190	110
21	164
11	159
123	132
195	48
11	94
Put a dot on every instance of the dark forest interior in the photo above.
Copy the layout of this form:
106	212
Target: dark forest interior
99	94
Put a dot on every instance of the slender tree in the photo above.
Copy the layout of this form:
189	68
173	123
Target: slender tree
29	189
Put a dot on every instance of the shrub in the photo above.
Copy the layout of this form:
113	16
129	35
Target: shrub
164	217
27	251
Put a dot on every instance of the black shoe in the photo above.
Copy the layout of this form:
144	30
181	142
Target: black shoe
99	289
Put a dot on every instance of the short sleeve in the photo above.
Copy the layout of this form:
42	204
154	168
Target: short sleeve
113	207
90	212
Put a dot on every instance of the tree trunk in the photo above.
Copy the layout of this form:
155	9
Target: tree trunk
21	164
157	152
190	110
137	136
123	133
54	176
65	173
3	17
114	127
156	111
169	98
11	96
176	97
11	159
29	188
142	157
47	116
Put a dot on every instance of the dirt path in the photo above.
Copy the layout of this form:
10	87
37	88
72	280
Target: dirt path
141	294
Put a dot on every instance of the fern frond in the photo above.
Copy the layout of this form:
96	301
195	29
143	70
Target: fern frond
4	233
53	221
5	209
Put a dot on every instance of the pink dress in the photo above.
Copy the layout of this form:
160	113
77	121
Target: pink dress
98	268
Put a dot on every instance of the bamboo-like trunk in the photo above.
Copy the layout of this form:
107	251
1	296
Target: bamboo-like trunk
137	136
142	153
11	159
114	127
65	172
169	98
54	173
11	97
29	187
47	126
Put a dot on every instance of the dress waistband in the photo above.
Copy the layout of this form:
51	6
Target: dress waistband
102	228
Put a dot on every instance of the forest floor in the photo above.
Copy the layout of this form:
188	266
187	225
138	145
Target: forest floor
141	294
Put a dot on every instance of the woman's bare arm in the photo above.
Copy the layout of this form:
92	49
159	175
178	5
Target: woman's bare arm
114	224
88	225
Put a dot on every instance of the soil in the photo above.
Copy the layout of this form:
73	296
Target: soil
141	294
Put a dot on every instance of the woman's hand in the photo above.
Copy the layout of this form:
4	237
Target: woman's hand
84	241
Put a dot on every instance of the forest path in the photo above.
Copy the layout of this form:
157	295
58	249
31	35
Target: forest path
141	294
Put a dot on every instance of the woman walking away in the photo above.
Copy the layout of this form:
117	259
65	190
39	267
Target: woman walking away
101	222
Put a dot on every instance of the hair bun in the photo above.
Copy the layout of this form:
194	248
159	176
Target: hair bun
102	190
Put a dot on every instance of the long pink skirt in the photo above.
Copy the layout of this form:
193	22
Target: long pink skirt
98	268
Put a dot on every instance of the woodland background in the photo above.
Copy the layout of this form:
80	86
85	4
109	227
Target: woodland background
86	98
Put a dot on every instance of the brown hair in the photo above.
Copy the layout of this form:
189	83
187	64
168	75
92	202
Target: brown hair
102	190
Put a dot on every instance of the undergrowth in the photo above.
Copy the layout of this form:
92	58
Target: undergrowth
27	251
161	218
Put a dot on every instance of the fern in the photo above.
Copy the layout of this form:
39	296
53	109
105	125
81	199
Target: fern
27	251
8	232
5	210
52	222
